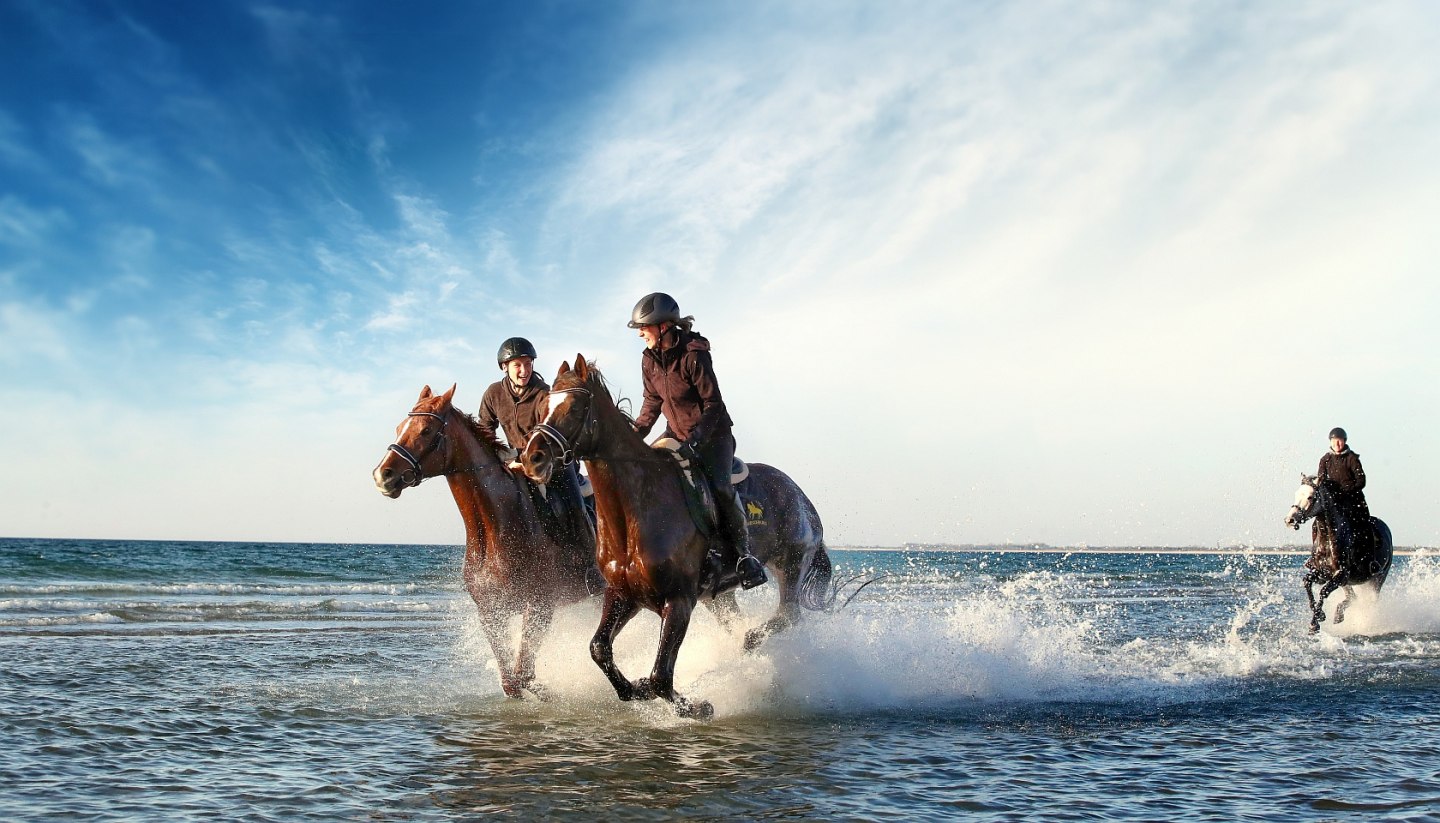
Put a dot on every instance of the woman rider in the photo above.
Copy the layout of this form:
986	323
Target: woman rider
679	380
1344	478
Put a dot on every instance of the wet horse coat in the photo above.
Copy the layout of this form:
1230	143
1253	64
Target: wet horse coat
513	564
1343	554
649	548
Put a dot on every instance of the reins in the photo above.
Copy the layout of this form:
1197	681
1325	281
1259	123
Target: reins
415	472
568	453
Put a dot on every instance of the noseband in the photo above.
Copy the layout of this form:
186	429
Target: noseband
568	452
417	474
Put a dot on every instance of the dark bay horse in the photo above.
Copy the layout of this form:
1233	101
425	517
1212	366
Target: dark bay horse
1341	553
649	548
513	563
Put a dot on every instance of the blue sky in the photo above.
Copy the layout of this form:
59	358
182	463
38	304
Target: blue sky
1071	273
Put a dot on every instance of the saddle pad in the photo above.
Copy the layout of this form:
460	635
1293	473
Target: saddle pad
738	470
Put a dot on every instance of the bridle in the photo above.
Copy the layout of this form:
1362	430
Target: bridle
1298	515
569	453
417	474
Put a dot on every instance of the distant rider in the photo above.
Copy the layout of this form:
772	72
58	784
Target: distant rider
679	380
1343	477
516	403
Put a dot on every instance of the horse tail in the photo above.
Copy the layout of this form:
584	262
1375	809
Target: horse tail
1384	552
815	591
818	590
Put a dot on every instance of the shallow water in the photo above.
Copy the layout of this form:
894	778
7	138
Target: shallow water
184	680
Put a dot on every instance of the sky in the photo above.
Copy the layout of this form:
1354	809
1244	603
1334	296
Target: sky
1080	274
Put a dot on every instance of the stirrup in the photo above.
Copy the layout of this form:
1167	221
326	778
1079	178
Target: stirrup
751	581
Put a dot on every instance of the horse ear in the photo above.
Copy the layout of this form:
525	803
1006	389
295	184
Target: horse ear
564	368
581	367
449	394
425	393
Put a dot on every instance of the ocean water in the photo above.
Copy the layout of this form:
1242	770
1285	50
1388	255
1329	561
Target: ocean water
175	681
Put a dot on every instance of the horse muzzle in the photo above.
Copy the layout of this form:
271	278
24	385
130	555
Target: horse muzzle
538	466
388	481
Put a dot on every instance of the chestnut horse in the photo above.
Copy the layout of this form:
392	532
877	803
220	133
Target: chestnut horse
650	549
512	564
1340	554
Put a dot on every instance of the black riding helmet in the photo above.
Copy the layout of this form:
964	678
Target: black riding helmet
513	348
1338	432
654	309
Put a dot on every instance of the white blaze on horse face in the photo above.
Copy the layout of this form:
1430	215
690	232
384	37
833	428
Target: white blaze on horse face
1303	496
552	406
404	429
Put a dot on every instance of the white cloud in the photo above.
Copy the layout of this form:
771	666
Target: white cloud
29	333
972	273
24	225
1100	236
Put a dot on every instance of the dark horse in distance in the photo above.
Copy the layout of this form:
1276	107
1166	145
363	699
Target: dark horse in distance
650	548
516	562
1342	553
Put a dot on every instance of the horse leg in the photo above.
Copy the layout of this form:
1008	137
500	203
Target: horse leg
614	614
674	622
726	610
1325	591
534	624
1340	609
496	626
1316	615
786	613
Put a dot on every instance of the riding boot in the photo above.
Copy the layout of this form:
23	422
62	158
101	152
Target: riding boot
590	512
574	513
717	455
750	569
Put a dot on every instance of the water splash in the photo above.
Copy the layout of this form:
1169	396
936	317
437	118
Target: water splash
933	638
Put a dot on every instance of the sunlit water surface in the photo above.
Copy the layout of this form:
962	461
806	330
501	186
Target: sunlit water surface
146	680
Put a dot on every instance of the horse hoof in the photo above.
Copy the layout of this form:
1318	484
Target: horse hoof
642	689
542	693
753	639
698	710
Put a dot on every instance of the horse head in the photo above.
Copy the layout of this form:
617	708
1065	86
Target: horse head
1307	501
419	450
569	425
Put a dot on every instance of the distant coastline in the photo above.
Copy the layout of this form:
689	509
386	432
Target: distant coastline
1044	548
971	548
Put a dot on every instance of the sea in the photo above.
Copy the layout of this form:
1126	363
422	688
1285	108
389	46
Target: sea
277	681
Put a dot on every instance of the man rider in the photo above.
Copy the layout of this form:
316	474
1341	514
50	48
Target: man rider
679	380
516	403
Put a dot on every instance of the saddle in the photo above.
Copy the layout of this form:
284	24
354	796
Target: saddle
700	502
738	470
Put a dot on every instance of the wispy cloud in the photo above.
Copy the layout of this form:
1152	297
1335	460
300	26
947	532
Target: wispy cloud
1004	242
24	226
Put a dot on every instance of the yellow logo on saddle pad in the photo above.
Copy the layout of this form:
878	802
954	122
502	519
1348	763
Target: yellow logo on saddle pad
754	515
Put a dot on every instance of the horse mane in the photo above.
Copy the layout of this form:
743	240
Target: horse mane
597	384
473	425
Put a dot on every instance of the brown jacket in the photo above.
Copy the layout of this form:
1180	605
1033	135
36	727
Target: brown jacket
680	382
516	413
1346	478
